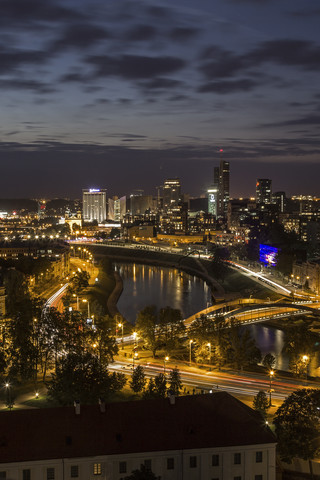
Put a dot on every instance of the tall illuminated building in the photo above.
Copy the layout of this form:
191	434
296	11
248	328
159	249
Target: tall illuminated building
213	200
224	188
94	206
263	191
171	191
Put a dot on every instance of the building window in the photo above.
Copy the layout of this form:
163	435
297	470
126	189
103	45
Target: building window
26	474
50	473
147	464
215	460
97	469
237	458
74	471
258	457
122	467
193	462
3	475
238	477
258	477
170	463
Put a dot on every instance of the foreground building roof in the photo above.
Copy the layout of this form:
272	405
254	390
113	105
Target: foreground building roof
200	421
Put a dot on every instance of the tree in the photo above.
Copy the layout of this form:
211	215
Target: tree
241	349
79	282
269	361
299	341
147	324
138	379
160	383
175	384
171	327
261	403
143	473
80	376
297	426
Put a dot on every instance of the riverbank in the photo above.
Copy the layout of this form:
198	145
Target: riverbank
231	285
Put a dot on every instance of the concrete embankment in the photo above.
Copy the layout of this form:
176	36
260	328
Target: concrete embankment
115	295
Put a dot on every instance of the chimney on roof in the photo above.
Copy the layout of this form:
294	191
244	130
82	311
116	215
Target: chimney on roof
172	399
76	404
102	405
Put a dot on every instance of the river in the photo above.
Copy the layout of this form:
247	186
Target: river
160	286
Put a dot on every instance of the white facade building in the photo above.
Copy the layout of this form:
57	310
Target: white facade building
94	205
191	438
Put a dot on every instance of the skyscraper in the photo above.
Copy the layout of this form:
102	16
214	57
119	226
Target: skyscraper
224	188
171	193
213	200
94	205
263	191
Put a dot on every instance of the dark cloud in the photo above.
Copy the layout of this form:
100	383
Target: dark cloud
134	66
178	98
74	77
24	84
290	52
80	36
228	86
161	84
220	63
141	33
306	120
21	12
182	34
11	60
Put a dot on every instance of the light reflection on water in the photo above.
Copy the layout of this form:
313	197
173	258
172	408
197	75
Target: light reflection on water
147	285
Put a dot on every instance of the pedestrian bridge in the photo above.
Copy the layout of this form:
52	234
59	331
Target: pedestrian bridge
250	310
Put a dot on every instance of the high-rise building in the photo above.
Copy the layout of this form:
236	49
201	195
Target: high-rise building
213	200
263	191
224	188
171	193
116	208
94	205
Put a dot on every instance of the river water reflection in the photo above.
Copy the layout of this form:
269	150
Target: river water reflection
147	285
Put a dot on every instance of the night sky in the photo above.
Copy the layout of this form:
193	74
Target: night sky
123	94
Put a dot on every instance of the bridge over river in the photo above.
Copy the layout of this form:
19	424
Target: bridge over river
252	310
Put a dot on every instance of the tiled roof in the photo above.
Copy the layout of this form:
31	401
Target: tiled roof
200	421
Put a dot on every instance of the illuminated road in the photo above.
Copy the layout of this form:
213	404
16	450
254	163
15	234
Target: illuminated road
56	299
236	384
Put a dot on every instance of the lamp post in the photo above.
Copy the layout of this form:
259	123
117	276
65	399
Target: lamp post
87	301
305	359
164	364
9	401
271	374
209	347
120	325
74	295
134	357
190	344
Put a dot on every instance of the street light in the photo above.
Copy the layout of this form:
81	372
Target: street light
209	346
9	400
305	359
74	295
164	364
87	301
134	357
190	343
271	374
120	325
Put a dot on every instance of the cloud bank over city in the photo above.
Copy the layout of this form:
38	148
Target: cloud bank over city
123	94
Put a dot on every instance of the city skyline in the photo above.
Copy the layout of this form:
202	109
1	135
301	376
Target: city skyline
124	96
